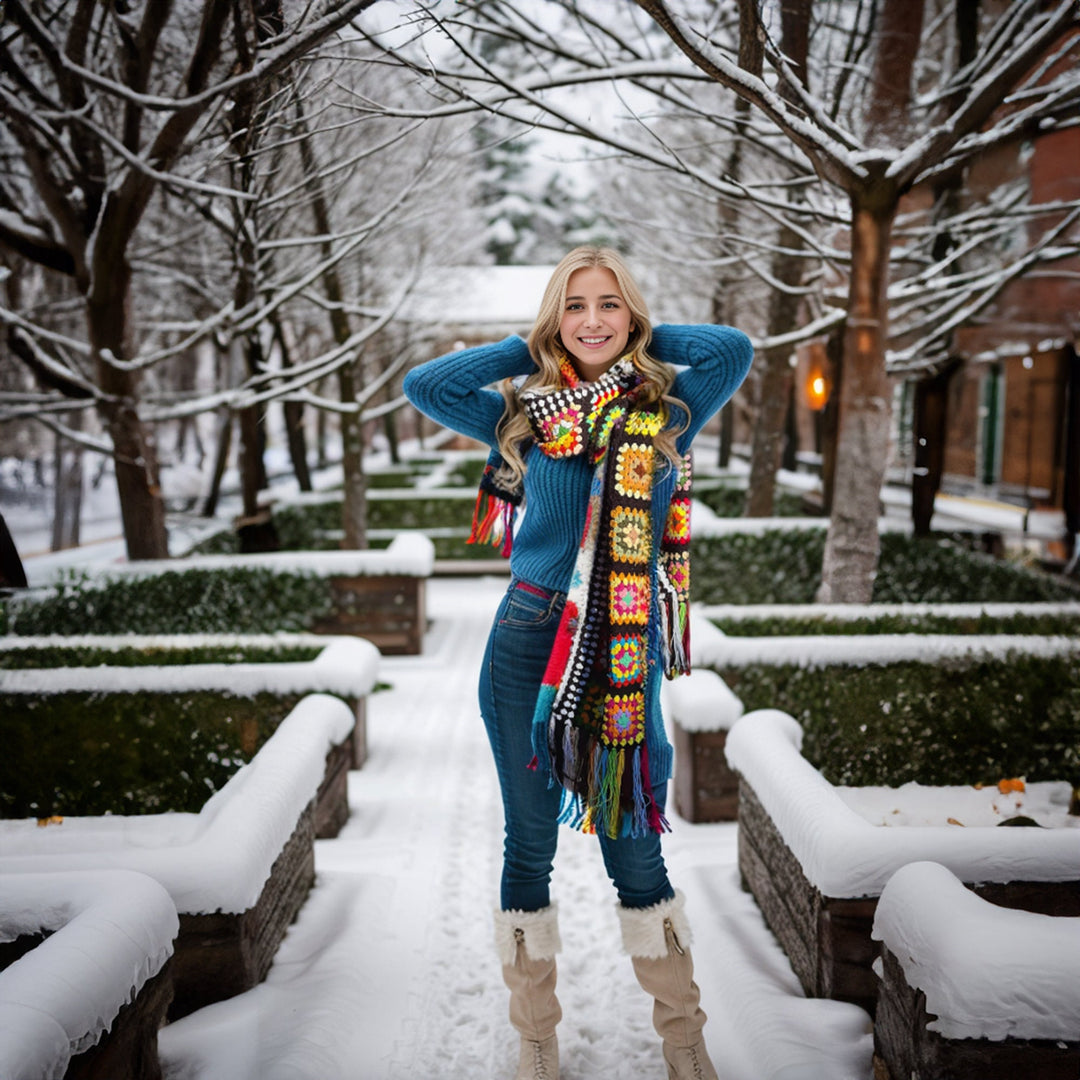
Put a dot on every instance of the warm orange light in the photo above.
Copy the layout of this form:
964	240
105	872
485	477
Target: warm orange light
817	390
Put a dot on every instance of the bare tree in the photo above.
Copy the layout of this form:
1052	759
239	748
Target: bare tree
879	109
102	110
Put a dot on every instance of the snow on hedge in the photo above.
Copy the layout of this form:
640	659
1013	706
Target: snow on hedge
700	701
1046	802
411	554
713	648
988	972
853	612
707	523
166	642
220	858
347	666
843	855
109	933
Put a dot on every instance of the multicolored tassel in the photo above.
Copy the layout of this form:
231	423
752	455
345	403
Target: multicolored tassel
493	513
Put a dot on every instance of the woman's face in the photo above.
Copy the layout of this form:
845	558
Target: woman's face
596	322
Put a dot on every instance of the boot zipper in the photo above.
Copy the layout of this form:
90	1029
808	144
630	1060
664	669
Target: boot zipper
672	937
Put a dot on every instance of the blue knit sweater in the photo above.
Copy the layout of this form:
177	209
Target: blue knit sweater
454	391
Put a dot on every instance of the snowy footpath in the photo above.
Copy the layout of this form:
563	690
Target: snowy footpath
389	972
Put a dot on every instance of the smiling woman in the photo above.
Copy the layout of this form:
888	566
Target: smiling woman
596	322
591	433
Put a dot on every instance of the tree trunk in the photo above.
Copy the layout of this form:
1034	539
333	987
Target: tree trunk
777	381
221	461
294	418
930	433
1071	492
775	385
830	426
297	440
723	309
774	390
12	573
899	29
851	547
322	438
789	459
354	503
250	478
142	508
67	493
727	434
390	430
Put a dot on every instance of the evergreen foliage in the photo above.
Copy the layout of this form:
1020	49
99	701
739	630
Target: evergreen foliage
127	753
958	721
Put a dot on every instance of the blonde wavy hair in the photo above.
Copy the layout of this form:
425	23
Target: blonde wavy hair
547	350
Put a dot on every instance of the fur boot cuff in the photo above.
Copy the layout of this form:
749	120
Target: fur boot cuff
643	928
541	930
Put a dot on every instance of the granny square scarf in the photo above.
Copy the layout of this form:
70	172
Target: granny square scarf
589	727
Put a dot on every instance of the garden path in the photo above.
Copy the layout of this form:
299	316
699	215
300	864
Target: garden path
389	971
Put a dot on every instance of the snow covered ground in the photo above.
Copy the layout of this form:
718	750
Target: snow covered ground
390	972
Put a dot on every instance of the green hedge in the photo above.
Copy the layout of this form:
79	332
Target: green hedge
91	753
773	567
54	656
315	526
466	472
783	566
962	721
917	623
727	501
240	600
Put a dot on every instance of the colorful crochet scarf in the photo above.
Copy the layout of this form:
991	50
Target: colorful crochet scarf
589	728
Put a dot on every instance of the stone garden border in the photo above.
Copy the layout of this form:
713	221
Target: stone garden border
347	666
816	868
969	990
85	974
237	872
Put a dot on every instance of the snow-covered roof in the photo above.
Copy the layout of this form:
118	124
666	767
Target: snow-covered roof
478	296
988	972
109	933
218	859
843	855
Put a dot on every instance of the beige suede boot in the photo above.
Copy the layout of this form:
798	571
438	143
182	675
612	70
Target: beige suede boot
658	941
527	942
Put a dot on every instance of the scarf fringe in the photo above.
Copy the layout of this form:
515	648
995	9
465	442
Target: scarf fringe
616	799
493	515
674	629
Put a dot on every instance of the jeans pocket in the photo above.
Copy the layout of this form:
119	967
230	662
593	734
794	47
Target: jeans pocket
529	610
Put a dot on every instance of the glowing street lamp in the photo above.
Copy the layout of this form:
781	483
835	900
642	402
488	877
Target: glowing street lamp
817	390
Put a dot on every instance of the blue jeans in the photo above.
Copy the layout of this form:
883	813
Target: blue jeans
514	662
